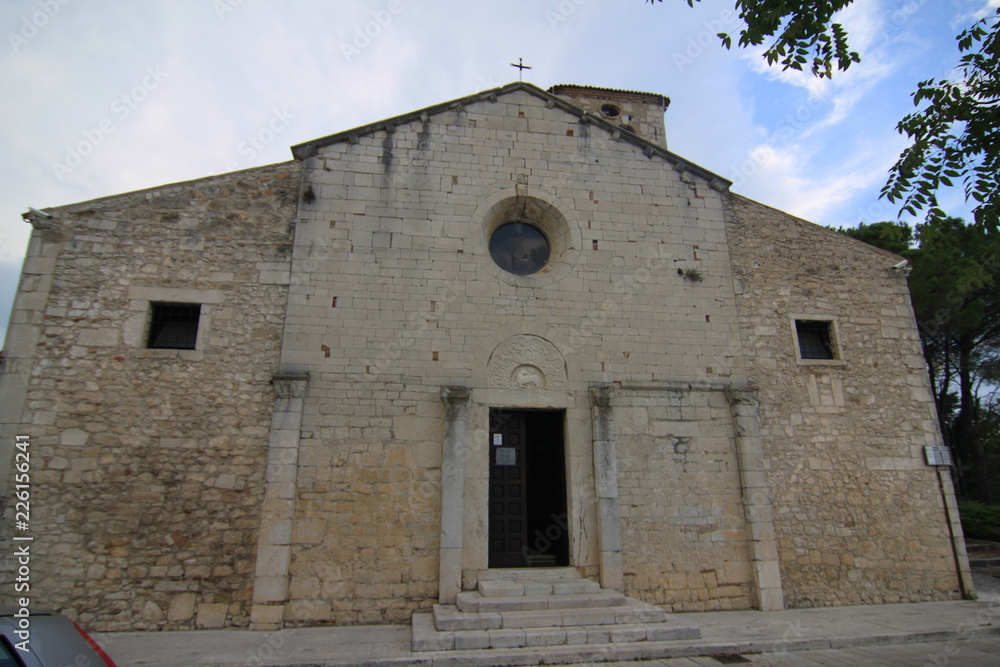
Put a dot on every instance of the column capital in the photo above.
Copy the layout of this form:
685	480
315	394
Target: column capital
746	395
455	399
600	395
290	385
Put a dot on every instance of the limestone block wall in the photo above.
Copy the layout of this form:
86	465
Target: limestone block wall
640	113
362	276
147	464
858	514
365	539
684	537
394	295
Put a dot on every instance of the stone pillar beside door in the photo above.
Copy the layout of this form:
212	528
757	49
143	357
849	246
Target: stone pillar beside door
453	455
606	480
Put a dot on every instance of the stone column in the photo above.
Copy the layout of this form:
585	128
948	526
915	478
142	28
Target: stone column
962	570
756	499
27	318
270	589
453	455
609	531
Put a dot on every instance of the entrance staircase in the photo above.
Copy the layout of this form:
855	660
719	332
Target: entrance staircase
518	608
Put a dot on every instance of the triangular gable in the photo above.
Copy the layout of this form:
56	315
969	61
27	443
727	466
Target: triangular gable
824	235
308	149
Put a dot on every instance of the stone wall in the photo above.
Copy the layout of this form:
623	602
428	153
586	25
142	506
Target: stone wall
858	514
684	537
362	277
148	464
639	113
365	540
394	295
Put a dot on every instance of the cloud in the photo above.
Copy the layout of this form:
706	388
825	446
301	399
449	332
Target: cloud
226	76
827	155
980	10
866	24
785	176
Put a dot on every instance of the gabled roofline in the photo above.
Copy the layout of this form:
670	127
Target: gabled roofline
822	229
163	189
308	149
568	88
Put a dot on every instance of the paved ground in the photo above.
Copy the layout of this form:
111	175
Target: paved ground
987	587
935	634
967	653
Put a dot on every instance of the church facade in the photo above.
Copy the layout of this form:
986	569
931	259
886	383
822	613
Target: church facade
512	330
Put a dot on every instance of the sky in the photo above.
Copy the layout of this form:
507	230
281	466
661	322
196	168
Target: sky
109	96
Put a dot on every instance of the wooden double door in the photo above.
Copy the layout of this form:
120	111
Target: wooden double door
528	524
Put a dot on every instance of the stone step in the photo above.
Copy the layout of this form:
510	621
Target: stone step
448	617
972	546
530	574
517	587
474	601
428	638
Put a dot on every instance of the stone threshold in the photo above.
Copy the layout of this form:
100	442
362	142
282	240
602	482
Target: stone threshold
428	638
597	653
543	607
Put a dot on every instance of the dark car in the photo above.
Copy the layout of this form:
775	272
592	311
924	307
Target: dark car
46	639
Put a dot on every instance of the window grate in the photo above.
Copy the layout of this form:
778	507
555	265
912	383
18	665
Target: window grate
815	341
174	326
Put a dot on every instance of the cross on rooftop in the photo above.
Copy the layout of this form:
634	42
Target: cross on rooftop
521	67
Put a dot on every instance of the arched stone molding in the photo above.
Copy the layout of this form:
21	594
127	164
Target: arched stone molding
526	361
556	219
503	338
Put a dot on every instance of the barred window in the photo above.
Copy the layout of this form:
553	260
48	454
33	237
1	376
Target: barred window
815	339
174	326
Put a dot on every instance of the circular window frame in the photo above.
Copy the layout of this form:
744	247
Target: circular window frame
545	213
609	110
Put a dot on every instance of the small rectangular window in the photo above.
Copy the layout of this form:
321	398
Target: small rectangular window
815	339
174	326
